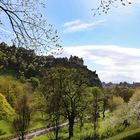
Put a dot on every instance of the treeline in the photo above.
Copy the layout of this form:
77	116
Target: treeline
62	94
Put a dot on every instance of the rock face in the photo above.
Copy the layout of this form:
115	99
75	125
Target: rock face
29	64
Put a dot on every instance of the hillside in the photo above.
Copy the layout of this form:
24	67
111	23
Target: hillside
26	63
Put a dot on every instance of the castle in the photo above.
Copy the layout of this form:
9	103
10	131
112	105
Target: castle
74	60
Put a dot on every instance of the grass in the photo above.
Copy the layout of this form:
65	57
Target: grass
127	135
63	134
5	129
88	130
37	121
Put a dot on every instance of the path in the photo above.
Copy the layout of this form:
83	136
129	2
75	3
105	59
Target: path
40	132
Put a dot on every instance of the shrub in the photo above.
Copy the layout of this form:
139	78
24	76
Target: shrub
6	111
35	82
115	102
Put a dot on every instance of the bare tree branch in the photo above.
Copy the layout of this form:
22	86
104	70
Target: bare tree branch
105	5
29	26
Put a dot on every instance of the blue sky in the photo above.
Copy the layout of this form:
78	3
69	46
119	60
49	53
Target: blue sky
109	44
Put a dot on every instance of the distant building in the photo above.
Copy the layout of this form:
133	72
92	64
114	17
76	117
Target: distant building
121	84
136	84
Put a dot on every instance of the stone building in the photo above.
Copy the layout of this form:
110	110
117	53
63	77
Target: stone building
76	60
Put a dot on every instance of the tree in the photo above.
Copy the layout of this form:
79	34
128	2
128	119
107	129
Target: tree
52	93
22	119
105	104
125	93
68	85
135	98
28	27
97	107
6	111
134	105
34	82
105	5
39	103
11	89
73	96
115	102
54	110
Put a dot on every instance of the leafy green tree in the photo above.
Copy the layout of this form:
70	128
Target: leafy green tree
39	103
11	89
54	110
52	93
123	92
68	85
97	106
12	62
22	120
135	98
6	111
34	82
73	96
115	102
3	59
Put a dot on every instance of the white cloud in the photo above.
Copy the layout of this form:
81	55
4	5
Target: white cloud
71	23
114	63
78	25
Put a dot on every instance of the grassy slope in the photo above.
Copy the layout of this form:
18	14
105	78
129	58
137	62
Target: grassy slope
128	135
63	133
6	128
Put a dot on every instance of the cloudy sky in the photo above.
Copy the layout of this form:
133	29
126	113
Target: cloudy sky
109	43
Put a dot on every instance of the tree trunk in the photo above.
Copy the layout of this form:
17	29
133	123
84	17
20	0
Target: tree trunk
56	129
104	108
22	136
56	133
71	125
95	124
81	123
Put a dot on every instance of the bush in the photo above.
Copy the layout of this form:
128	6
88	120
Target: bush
115	102
125	93
6	111
35	82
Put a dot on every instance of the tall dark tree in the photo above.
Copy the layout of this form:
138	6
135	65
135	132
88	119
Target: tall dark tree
70	84
52	93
